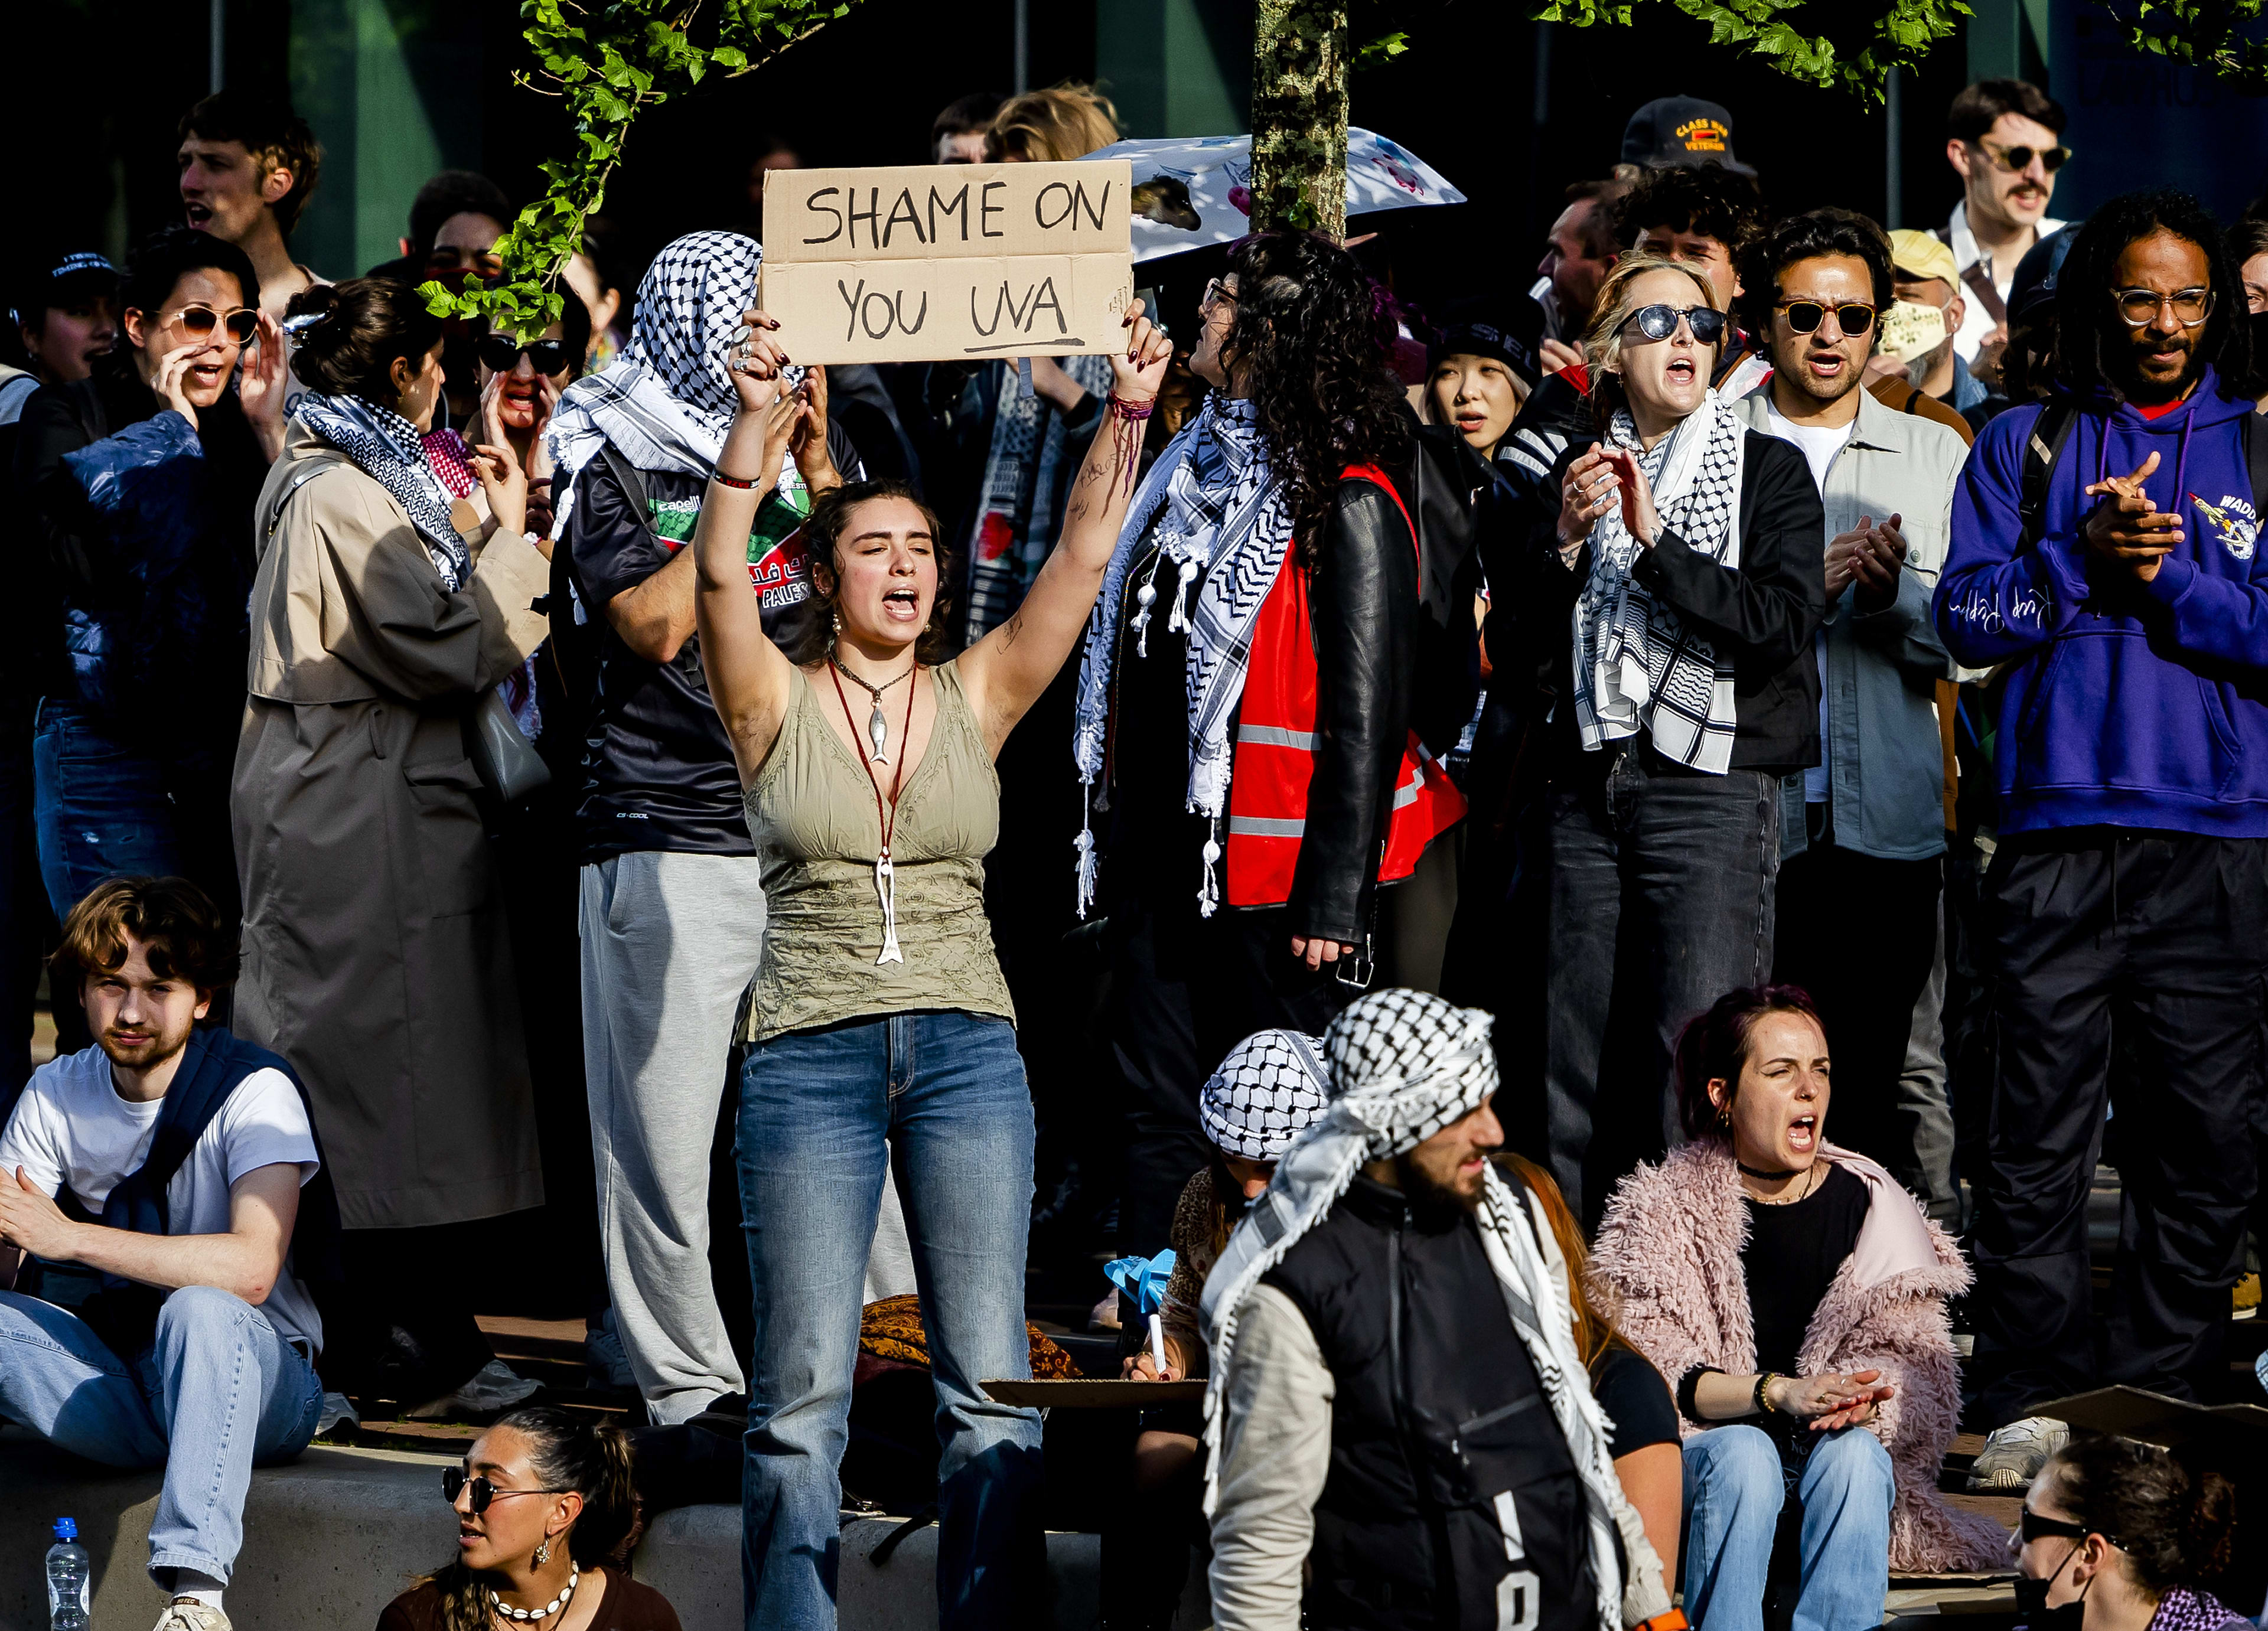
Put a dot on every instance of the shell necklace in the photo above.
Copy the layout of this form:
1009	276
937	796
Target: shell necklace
574	1574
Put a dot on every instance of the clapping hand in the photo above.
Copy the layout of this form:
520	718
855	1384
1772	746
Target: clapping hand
1831	1399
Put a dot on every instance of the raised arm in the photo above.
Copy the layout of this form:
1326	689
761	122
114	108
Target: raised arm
1004	672
750	679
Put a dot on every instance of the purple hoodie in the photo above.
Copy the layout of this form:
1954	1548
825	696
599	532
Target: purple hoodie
2128	705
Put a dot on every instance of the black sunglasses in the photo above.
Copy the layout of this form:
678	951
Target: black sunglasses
453	1483
1658	322
2032	1526
502	352
2017	160
1804	316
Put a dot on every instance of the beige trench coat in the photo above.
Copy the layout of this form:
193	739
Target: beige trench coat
376	956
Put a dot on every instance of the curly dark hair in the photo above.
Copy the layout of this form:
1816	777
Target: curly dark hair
1305	327
1707	199
809	634
1715	1046
1804	237
2092	340
2174	1528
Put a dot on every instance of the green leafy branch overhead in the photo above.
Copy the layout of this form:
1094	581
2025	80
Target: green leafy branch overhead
1899	37
2222	35
607	61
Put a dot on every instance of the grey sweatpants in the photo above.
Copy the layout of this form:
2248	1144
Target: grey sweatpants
670	942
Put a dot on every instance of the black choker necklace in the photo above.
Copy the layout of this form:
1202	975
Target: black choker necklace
1758	1171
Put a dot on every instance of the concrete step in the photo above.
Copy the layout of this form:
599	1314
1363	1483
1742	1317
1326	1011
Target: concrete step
332	1537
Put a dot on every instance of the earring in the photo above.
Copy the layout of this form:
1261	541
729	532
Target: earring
838	619
543	1551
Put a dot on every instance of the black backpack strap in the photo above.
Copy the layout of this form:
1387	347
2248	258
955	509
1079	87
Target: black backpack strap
2045	445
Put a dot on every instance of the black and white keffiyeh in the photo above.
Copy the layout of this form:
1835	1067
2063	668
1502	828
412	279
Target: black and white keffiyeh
1016	521
1224	525
1405	1064
666	401
1272	1086
1637	665
387	448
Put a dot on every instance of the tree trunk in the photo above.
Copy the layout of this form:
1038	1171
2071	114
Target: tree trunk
1299	115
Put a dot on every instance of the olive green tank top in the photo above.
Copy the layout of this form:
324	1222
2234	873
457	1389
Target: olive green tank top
812	815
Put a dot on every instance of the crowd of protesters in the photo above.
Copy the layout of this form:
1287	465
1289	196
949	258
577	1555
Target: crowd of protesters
1470	790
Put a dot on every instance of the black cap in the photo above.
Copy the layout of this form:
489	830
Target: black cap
80	274
1511	331
2032	291
1680	130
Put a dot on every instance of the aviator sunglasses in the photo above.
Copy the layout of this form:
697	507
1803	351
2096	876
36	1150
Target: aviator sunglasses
453	1482
199	321
1658	322
1805	316
501	353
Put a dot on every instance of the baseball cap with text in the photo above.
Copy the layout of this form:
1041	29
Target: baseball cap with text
1680	130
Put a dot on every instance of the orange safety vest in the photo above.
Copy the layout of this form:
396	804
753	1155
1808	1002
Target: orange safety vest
1275	755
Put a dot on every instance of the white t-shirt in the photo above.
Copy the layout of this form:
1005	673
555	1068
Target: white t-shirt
1818	444
71	1127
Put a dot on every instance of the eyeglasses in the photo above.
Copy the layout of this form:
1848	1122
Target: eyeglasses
454	1483
2017	160
501	354
1215	291
1658	322
2140	306
197	321
1804	316
2031	1526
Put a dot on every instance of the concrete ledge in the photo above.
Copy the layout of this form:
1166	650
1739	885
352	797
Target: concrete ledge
331	1538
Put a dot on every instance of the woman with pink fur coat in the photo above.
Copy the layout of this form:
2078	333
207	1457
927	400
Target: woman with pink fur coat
1794	1295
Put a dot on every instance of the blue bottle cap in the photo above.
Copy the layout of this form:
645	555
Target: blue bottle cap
66	1529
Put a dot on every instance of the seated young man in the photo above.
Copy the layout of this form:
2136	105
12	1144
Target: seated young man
168	1160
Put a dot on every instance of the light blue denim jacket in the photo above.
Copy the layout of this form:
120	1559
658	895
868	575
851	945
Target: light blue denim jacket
1886	767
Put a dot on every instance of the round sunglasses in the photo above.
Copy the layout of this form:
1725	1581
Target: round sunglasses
1658	322
1805	316
199	321
501	354
454	1483
2017	160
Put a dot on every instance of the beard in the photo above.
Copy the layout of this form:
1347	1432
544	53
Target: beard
1426	1192
158	1047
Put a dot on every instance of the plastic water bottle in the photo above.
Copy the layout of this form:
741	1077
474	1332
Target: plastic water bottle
70	1570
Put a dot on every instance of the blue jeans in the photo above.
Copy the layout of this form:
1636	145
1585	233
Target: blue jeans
945	1092
216	1393
1734	1488
110	808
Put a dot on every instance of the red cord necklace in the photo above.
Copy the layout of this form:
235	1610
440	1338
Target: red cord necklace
885	875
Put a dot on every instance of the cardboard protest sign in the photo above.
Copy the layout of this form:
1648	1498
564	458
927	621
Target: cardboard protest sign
928	262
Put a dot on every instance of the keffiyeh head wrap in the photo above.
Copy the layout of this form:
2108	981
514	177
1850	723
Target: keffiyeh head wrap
1638	664
666	401
1224	526
1268	1090
1404	1065
387	448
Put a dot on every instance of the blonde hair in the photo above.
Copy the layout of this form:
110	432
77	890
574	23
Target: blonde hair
1602	341
1065	121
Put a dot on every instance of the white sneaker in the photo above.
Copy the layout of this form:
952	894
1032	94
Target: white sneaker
494	1387
186	1613
2014	1455
336	1408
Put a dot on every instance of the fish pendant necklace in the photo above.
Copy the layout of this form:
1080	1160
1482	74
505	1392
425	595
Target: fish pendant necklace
878	729
886	882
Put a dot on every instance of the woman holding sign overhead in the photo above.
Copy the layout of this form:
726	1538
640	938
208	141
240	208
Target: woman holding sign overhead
878	1017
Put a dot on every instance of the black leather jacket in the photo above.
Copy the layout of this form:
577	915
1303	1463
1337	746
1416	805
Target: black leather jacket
1364	596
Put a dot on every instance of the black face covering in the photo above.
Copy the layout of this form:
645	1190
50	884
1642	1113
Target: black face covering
2032	1611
